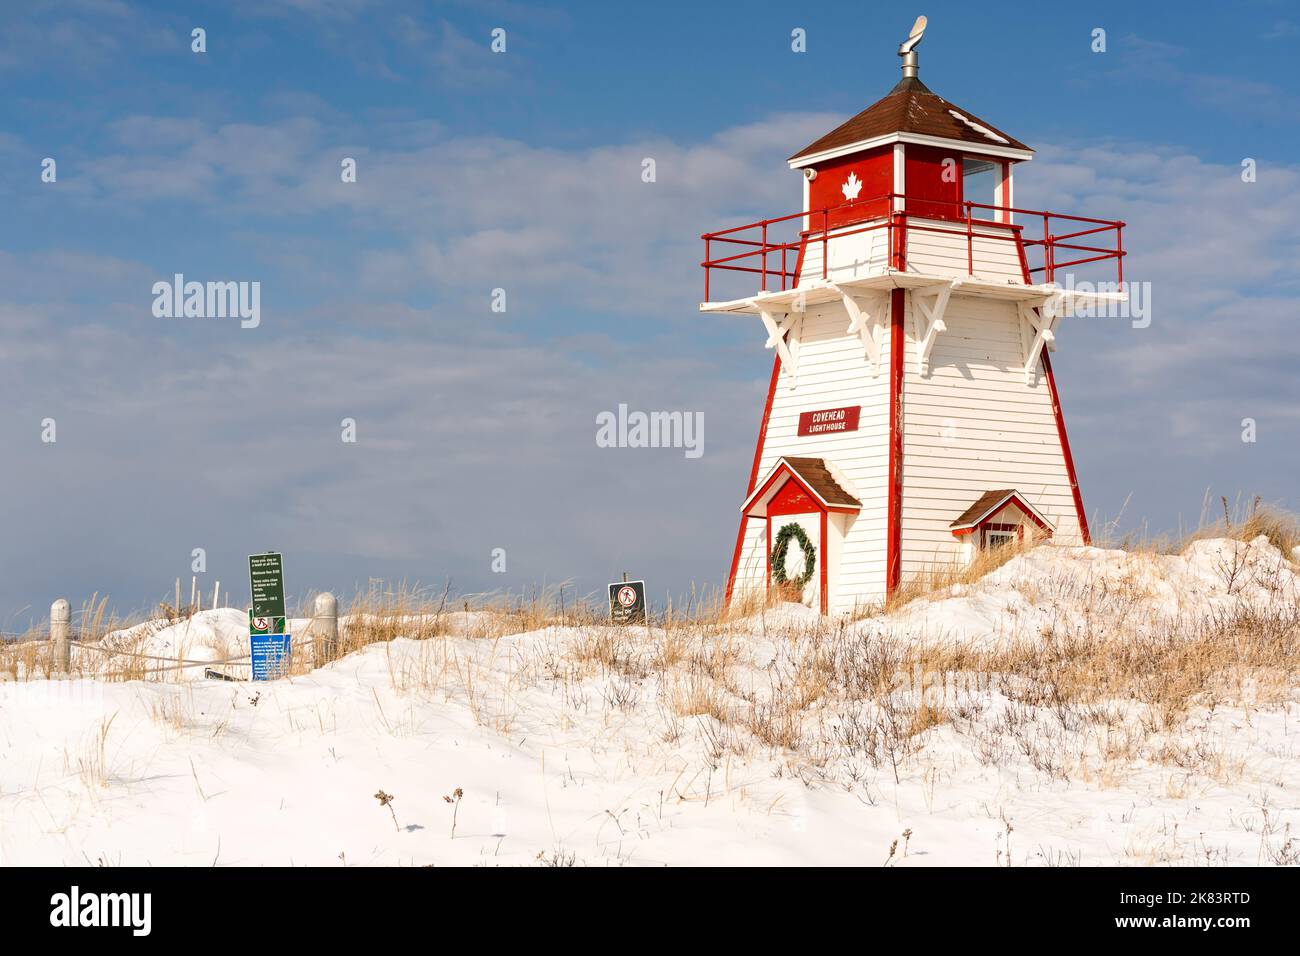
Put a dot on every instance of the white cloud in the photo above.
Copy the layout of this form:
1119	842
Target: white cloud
477	431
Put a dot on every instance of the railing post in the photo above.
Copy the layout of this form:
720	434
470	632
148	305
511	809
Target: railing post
1047	247
60	623
900	242
1119	248
325	627
763	253
707	270
825	237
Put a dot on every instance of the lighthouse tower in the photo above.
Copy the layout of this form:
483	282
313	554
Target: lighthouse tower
912	418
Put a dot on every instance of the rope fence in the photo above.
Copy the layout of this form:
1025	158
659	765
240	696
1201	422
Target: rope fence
324	618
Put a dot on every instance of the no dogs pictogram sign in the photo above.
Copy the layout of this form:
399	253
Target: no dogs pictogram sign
627	601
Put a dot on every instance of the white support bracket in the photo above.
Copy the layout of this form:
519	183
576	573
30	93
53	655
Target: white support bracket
1038	325
928	320
867	321
777	329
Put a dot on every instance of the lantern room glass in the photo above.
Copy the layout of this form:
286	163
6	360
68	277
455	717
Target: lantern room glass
979	184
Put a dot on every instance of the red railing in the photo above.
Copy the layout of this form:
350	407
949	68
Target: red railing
758	251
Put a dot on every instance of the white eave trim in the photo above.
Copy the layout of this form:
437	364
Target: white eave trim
921	139
1021	503
817	291
752	500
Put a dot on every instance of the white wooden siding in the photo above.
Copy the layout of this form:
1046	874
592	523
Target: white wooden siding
833	372
946	253
970	425
851	257
867	253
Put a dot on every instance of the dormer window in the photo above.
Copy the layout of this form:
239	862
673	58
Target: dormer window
997	519
998	537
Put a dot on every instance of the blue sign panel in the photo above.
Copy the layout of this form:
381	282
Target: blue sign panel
271	655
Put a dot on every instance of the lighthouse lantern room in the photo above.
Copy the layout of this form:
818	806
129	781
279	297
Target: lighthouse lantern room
912	418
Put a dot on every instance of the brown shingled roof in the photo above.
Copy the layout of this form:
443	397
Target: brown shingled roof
817	476
909	107
991	502
982	506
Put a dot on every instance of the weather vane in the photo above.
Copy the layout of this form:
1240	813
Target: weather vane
907	49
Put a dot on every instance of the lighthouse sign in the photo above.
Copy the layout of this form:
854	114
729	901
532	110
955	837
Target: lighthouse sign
829	420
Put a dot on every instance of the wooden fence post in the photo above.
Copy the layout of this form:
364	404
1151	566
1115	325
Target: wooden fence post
325	627
60	623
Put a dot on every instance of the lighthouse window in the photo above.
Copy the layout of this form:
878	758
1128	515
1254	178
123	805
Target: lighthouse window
998	538
979	184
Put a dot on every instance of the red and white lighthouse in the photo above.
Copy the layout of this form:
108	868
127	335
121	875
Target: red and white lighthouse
912	416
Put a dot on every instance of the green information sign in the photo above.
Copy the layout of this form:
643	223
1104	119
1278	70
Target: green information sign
266	581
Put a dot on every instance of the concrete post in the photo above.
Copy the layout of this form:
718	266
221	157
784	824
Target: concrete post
325	627
60	624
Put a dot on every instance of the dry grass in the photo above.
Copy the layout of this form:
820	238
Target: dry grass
29	657
939	576
1089	703
93	763
1280	527
1240	520
1086	707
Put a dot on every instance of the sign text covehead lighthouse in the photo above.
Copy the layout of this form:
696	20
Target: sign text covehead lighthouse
912	417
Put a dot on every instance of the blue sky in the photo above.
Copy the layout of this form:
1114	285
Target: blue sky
522	171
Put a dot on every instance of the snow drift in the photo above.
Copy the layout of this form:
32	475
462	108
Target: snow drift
1077	706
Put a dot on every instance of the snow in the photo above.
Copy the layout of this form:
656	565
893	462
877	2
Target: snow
564	757
1054	590
208	636
217	636
977	127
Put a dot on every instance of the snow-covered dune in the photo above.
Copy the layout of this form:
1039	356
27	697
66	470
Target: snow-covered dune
1066	591
760	742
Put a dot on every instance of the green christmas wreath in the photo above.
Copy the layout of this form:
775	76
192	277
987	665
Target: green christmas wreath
779	549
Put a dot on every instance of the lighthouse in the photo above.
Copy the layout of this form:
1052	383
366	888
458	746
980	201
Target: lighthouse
912	417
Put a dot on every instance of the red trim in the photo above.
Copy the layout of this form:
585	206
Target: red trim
788	500
753	476
894	520
1065	448
758	446
899	230
815	501
1024	509
787	470
825	559
1024	260
987	521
